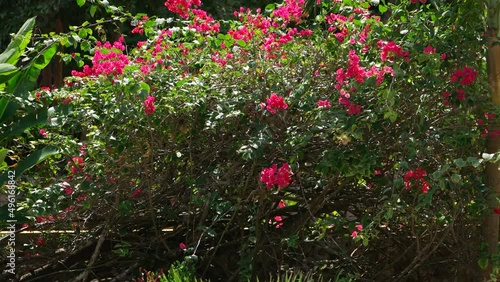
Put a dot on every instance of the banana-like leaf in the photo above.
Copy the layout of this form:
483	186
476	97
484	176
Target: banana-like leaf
7	109
32	160
25	81
18	127
7	68
7	54
6	73
3	105
20	41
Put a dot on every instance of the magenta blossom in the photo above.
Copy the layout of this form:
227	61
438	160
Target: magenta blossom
149	108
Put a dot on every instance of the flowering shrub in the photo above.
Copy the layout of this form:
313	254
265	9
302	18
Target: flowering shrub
186	130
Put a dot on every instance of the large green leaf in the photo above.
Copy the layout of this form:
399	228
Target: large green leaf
25	81
18	127
3	105
20	41
32	160
7	109
7	54
7	68
6	72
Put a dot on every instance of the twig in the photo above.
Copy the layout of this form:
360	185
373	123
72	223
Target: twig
83	276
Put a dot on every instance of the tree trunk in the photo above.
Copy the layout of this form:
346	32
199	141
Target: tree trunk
491	224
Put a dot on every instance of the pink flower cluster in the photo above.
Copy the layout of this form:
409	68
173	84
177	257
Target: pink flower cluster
273	176
341	32
291	11
352	109
278	218
181	7
202	22
466	76
484	133
251	21
108	60
354	233
414	177
429	50
274	103
138	29
324	104
77	165
149	107
391	48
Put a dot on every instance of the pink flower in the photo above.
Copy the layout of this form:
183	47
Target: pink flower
283	177
324	104
425	186
359	227
182	246
489	116
274	103
429	50
108	60
461	94
466	76
496	210
354	234
40	241
145	69
82	197
181	7
43	132
443	56
149	108
282	204
136	193
273	176
267	175
413	177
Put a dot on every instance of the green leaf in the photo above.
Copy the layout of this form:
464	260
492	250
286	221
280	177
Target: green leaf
389	213
7	109
20	41
382	8
82	33
455	178
270	7
80	2
7	54
483	263
391	115
7	68
36	118
92	11
459	163
42	60
3	154
145	87
32	160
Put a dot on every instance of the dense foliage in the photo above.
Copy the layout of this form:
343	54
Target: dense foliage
333	144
